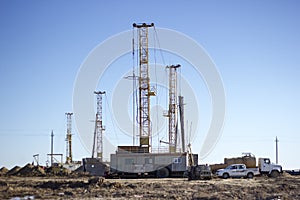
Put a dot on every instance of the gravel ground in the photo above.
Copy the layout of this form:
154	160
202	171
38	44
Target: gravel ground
283	187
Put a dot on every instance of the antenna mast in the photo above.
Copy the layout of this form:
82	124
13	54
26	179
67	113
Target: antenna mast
276	141
99	128
144	87
52	135
69	138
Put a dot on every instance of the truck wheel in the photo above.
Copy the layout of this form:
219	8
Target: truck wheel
274	174
250	175
225	175
162	173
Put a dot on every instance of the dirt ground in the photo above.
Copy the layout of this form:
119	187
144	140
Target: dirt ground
15	187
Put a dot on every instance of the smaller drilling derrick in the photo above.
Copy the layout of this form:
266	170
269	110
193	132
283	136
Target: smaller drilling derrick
69	138
99	129
172	112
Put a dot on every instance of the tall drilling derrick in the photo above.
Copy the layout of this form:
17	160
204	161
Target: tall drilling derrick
144	87
69	138
172	112
99	129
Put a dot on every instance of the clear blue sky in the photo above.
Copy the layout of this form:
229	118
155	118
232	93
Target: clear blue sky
254	44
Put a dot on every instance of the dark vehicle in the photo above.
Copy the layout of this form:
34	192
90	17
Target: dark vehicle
199	172
293	172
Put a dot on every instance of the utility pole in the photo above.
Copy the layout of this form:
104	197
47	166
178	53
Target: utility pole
276	141
52	135
144	87
99	128
69	138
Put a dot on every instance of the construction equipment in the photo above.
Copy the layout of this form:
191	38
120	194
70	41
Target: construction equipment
144	87
172	112
128	161
36	159
57	159
95	167
140	160
181	114
195	171
69	139
99	129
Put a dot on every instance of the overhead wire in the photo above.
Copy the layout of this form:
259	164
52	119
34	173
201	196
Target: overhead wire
162	56
156	86
180	78
165	83
111	118
166	102
138	78
133	89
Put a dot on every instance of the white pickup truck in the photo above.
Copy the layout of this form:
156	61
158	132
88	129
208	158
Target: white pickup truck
238	171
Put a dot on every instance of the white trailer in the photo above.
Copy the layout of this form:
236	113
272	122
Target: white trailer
161	165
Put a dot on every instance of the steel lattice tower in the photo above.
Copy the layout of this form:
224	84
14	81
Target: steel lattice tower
69	138
172	112
144	87
99	128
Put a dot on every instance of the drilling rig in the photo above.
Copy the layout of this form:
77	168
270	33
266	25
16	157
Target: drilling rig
144	87
144	92
69	158
95	165
141	160
172	112
99	129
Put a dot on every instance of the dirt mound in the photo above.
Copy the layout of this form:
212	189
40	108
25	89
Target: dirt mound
3	171
13	171
31	170
54	185
58	171
285	174
3	186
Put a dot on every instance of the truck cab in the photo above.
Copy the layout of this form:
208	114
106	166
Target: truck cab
266	167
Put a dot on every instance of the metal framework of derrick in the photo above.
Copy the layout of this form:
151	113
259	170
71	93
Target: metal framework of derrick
144	87
99	129
181	114
69	158
172	112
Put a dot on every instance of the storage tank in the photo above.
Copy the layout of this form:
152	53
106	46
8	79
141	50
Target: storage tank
248	159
